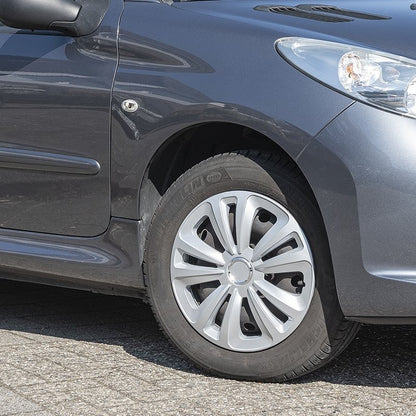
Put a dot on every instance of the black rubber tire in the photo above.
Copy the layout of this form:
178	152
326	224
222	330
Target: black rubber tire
322	334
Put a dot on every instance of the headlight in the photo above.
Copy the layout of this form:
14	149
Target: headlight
381	79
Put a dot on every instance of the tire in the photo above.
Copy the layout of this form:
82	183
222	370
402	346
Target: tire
268	310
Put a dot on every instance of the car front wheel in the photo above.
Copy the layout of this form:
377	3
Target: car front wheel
238	270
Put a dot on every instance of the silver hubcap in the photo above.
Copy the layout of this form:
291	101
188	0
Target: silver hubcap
242	271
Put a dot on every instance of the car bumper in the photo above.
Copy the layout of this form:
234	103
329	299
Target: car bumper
366	189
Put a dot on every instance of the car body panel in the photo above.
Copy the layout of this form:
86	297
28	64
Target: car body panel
54	129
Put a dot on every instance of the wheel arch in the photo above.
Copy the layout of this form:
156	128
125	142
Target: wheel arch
196	143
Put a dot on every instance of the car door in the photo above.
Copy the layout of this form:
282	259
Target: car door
55	97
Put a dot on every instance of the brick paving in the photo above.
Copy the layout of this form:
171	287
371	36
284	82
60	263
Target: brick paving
65	352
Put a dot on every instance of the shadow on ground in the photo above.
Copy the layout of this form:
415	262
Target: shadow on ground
380	356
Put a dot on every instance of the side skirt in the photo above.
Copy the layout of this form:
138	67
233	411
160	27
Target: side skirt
108	263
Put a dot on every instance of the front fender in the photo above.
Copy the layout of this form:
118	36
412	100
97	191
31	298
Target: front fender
184	69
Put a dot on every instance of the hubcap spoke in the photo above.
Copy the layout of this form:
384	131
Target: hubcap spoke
276	236
190	243
244	216
266	321
193	275
209	308
292	261
220	221
288	303
230	327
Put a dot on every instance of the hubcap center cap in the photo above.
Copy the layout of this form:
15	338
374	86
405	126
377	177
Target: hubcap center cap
239	271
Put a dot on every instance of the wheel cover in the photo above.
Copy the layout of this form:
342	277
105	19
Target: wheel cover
241	271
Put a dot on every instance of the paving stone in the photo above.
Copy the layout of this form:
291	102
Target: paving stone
10	338
107	397
77	408
133	387
11	402
398	411
14	377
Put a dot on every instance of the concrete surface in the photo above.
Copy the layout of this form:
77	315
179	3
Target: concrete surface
65	352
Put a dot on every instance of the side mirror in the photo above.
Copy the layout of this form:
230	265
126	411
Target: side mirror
75	18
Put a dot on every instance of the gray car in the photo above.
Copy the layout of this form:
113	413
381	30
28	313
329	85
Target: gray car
247	167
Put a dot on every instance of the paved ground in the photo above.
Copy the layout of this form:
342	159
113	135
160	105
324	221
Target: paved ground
68	353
